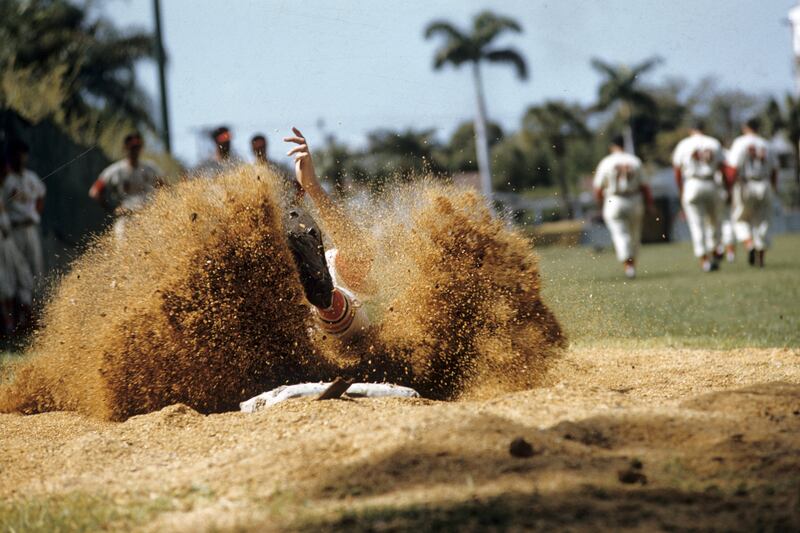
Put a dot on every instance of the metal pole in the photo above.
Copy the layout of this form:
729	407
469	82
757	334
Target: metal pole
162	80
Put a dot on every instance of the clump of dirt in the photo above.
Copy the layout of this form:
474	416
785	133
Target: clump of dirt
201	305
461	303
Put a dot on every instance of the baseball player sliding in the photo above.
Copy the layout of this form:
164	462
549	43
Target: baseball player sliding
753	170
622	194
696	160
126	184
335	282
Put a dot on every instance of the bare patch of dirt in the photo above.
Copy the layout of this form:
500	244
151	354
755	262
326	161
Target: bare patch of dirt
640	439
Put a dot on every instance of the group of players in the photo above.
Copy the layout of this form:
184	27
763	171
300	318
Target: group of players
726	196
21	262
716	190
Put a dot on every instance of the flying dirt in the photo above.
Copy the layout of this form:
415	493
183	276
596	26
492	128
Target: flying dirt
201	305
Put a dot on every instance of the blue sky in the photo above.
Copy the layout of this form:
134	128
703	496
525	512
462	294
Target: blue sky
264	65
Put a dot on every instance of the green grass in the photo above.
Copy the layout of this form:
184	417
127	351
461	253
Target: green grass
672	302
76	512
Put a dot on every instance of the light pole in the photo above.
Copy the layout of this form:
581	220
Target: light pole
794	21
162	80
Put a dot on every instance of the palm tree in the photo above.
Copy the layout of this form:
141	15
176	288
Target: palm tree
474	47
557	124
621	88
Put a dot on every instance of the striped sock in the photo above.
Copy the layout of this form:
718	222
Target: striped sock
337	318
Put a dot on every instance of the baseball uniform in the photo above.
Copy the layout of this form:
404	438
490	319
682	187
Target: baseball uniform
21	192
16	279
754	162
699	157
619	176
128	187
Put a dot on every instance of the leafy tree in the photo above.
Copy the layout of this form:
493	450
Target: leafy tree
94	60
460	151
557	124
621	88
400	155
474	47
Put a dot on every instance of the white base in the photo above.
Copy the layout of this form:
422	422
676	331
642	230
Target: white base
304	390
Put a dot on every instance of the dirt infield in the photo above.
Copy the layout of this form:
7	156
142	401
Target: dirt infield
642	439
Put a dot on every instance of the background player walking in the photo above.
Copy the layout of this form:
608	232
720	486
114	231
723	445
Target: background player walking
695	160
622	194
753	169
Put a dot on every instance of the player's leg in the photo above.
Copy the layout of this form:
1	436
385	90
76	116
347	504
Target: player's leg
760	228
693	209
636	222
742	213
336	310
7	287
714	226
616	220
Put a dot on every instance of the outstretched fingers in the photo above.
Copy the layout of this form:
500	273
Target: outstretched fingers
302	148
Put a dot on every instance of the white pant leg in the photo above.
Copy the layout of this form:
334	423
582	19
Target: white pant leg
701	200
623	216
752	221
119	227
759	221
694	208
714	220
30	246
8	282
23	278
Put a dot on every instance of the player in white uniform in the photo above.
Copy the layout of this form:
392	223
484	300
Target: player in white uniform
696	160
16	280
24	194
621	193
335	281
126	184
753	170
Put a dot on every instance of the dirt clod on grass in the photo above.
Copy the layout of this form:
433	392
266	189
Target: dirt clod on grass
201	305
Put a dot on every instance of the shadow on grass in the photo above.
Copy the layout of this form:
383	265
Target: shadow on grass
587	508
676	484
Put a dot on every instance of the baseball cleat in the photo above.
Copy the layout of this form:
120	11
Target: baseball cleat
630	272
305	241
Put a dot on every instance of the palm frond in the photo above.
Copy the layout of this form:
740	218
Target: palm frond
646	66
487	26
440	27
609	70
509	55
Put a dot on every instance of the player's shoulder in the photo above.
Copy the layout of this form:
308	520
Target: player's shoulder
31	175
115	167
630	159
711	142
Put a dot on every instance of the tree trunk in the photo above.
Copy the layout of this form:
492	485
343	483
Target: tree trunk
796	152
481	141
627	132
564	186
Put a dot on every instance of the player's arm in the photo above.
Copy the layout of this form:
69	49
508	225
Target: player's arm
676	168
355	254
598	184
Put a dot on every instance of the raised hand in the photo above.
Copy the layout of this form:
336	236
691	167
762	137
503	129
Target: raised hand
303	164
